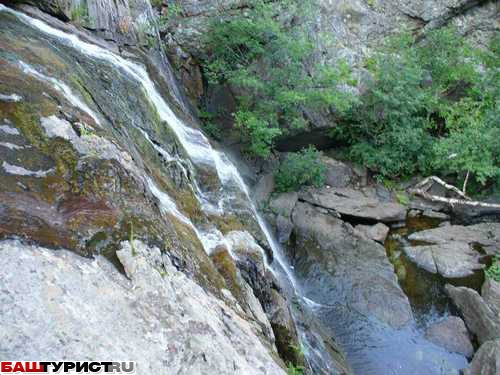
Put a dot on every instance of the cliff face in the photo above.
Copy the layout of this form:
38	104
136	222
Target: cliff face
354	29
95	161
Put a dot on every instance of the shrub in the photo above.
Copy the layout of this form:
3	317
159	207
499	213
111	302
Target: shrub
294	370
429	109
303	168
270	67
80	13
493	272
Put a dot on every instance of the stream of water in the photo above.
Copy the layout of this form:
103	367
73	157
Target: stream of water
372	348
193	141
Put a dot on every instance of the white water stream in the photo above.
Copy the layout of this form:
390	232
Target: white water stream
193	141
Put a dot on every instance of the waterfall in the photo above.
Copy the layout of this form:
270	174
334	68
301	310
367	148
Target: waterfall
194	142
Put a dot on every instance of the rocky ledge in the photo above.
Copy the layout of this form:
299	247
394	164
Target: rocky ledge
152	313
454	250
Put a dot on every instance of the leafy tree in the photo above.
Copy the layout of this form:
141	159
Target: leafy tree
270	65
432	107
303	168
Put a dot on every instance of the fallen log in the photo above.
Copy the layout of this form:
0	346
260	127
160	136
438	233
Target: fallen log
422	188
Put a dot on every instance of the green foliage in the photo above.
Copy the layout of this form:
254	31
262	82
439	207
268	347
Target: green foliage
209	125
429	109
172	11
402	198
156	3
271	67
493	272
303	168
294	370
80	13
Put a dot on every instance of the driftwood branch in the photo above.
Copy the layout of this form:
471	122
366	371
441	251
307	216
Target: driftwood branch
464	189
421	189
453	201
426	184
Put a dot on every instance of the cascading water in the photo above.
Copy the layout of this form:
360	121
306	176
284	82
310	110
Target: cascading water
194	143
125	87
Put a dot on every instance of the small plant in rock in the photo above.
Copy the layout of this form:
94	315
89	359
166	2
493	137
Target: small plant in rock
173	10
303	168
156	3
294	370
80	13
131	239
209	126
493	271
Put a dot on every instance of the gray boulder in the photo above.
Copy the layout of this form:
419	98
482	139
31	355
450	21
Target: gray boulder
363	204
338	266
486	235
338	174
452	335
486	361
480	314
451	251
377	232
280	214
264	188
451	260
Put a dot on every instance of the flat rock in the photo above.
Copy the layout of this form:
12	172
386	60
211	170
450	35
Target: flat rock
479	314
452	335
487	235
356	203
377	232
451	259
435	215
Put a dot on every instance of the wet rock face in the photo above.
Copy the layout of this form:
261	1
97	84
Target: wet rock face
124	22
250	261
480	312
486	361
451	334
338	267
363	204
74	155
89	309
87	161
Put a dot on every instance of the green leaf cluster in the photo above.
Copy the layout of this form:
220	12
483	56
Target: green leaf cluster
303	168
270	65
432	107
493	271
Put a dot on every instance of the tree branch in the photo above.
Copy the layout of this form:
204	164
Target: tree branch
426	184
421	189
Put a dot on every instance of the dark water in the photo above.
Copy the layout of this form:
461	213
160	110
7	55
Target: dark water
425	290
